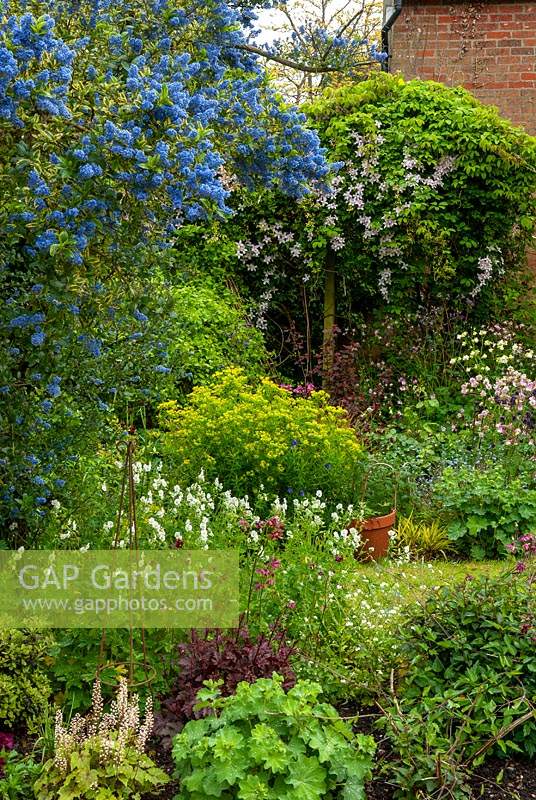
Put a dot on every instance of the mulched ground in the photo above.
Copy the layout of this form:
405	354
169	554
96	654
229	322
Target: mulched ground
164	760
517	781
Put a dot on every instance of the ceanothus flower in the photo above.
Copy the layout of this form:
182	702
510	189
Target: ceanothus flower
38	337
140	316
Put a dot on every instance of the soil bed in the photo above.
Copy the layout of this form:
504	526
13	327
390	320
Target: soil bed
517	782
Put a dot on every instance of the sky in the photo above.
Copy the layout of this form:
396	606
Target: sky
270	19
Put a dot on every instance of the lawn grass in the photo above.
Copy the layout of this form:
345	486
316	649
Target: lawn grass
432	573
379	601
396	585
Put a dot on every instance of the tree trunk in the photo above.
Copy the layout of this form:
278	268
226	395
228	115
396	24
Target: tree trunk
328	348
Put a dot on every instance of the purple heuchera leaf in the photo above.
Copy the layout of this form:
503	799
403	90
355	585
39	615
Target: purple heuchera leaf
231	656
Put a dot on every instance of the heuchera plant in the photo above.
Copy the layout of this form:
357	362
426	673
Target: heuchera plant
102	755
229	657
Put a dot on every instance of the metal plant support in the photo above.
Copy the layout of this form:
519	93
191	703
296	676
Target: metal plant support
127	503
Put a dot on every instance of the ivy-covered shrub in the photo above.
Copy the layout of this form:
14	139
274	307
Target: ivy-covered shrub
434	204
24	685
265	743
438	196
469	683
484	508
251	434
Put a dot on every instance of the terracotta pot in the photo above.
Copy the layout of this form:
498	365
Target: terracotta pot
375	534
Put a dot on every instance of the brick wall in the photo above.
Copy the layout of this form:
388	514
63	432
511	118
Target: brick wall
488	47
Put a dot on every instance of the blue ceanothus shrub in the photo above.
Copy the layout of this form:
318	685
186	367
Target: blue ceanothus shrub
118	122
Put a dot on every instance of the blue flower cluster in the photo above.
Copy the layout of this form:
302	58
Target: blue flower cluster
54	399
316	43
24	320
172	104
25	43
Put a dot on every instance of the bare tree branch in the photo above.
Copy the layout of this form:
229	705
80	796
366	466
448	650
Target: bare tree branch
353	20
338	12
293	25
286	62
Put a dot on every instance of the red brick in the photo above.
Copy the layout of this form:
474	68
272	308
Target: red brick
492	52
498	34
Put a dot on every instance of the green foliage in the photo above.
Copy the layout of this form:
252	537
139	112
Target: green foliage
207	249
75	657
469	685
17	776
102	756
423	539
208	333
485	508
265	744
434	207
440	239
301	574
257	434
376	487
24	685
87	778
